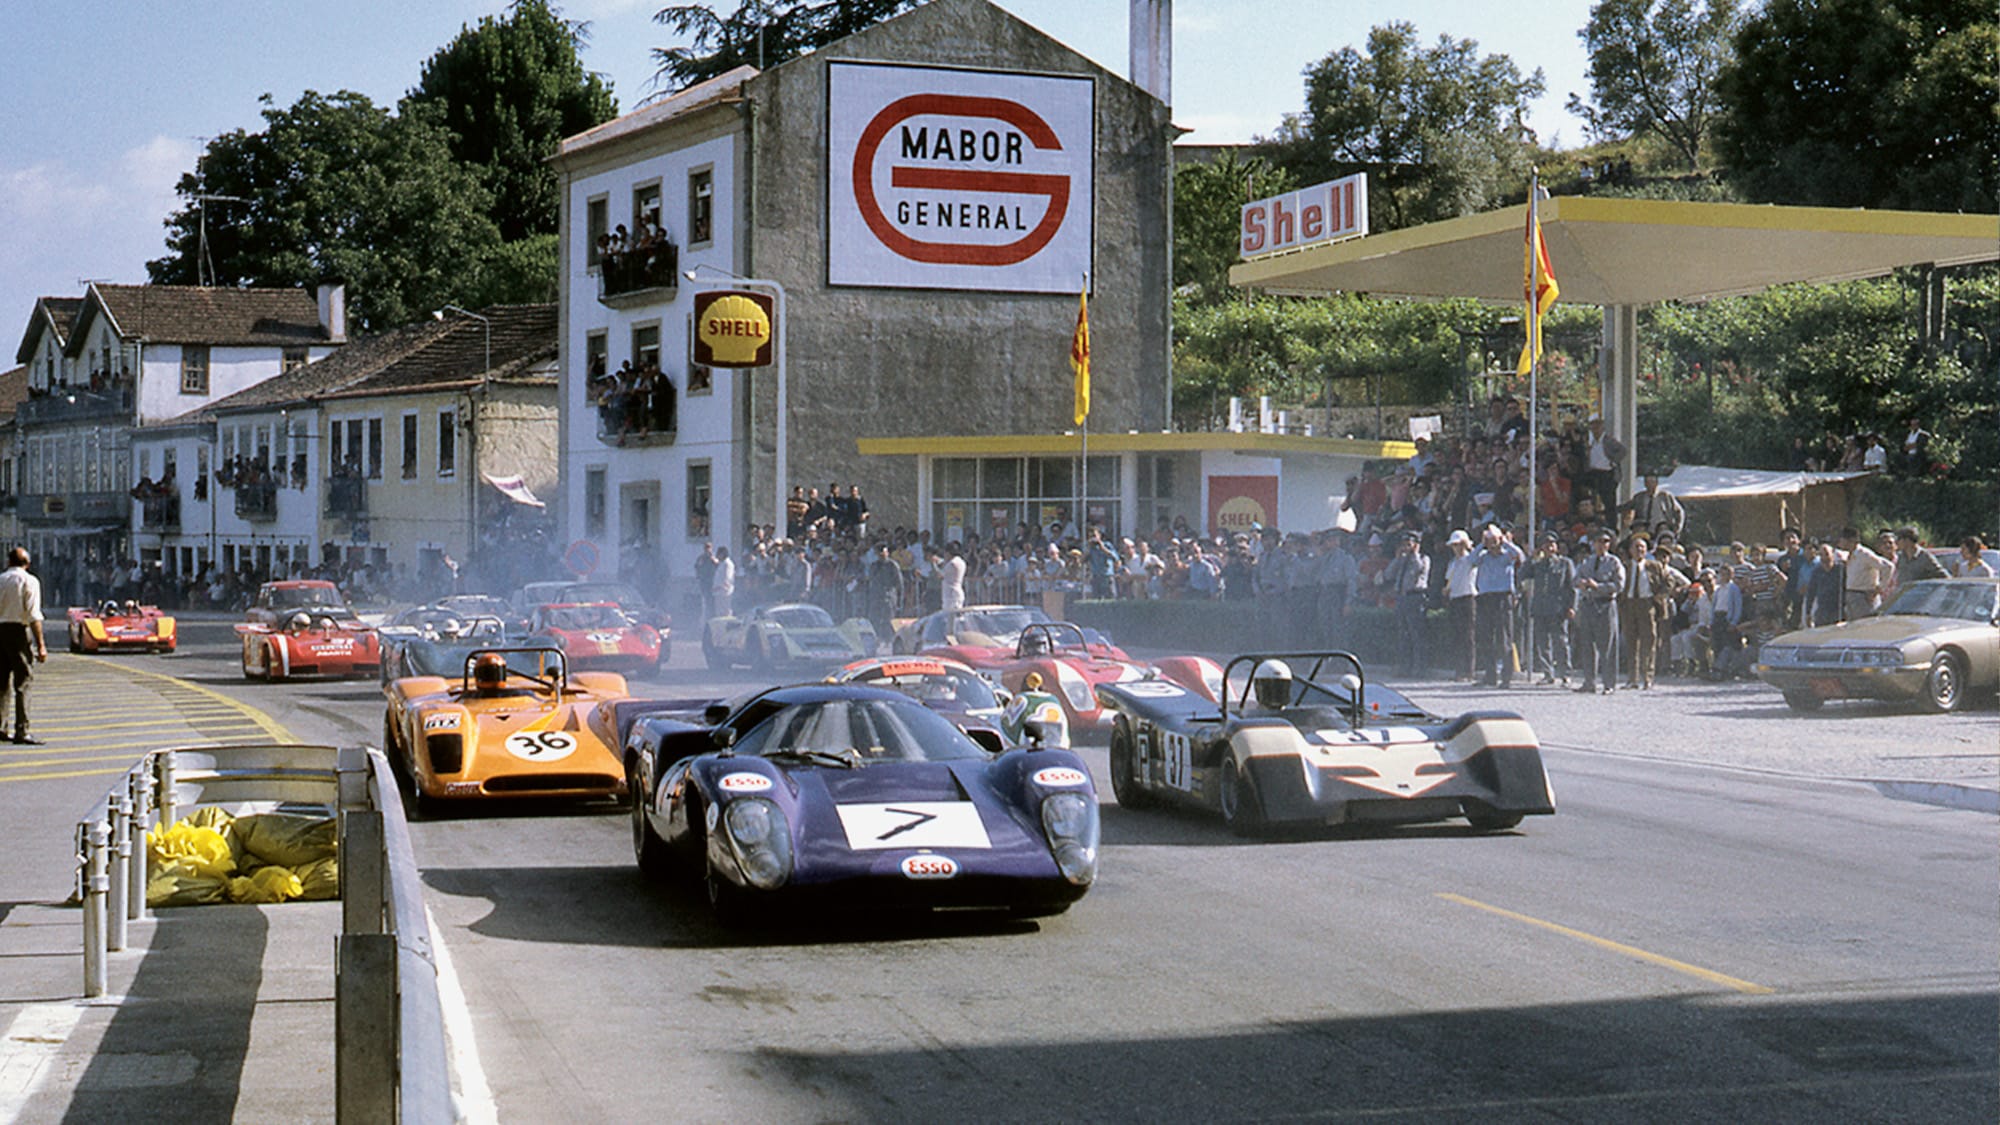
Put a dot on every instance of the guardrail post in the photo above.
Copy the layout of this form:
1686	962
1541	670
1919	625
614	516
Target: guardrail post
363	873
141	781
365	1027
163	764
117	878
95	977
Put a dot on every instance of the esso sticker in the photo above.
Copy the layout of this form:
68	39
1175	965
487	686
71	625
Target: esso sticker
541	745
1059	775
743	783
930	867
440	722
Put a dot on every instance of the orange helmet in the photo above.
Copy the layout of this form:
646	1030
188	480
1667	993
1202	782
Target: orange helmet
489	672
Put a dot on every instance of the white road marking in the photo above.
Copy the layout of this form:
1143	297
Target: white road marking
34	1040
475	1097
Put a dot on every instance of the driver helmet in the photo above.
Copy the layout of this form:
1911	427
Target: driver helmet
110	609
132	607
450	627
299	622
1035	643
1272	681
1031	682
489	672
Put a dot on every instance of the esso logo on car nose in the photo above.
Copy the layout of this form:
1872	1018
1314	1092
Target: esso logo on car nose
1056	776
743	783
930	867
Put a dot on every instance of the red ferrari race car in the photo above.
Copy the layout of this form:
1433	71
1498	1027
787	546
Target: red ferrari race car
120	627
597	636
1073	665
311	644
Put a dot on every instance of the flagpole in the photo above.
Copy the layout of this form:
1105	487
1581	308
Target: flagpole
1534	396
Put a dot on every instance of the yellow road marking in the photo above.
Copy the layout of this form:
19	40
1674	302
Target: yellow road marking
53	776
167	720
1697	971
264	722
127	757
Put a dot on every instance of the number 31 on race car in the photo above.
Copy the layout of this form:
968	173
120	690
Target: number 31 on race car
541	745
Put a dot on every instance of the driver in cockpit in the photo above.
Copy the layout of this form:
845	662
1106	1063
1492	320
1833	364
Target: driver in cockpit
1272	684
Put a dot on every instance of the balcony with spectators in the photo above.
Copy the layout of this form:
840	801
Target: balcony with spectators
636	269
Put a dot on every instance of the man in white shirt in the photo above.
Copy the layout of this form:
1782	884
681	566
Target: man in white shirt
1867	574
951	579
22	645
723	586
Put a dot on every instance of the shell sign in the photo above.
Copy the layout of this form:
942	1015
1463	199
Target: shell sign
1241	503
733	328
958	179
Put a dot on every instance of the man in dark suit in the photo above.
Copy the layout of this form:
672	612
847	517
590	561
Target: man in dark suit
1642	605
1598	580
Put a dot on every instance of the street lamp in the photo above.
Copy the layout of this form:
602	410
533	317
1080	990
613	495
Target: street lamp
781	468
487	324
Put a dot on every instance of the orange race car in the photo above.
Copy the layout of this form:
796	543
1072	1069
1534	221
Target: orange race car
120	627
514	723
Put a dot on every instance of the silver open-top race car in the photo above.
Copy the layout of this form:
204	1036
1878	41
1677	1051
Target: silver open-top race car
1303	739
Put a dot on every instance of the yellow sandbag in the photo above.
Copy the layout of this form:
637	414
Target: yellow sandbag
177	885
320	878
286	840
269	884
208	816
204	850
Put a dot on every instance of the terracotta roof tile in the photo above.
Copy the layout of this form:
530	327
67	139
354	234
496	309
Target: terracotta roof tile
187	314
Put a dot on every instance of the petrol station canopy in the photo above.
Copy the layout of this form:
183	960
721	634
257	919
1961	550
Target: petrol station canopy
1630	252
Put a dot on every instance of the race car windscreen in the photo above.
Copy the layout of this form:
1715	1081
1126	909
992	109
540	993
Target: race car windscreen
618	592
1003	626
587	617
799	617
307	597
879	730
950	688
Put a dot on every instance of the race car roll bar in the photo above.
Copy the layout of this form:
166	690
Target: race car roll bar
1356	711
390	1060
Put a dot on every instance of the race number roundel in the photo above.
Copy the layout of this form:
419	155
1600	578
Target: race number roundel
541	745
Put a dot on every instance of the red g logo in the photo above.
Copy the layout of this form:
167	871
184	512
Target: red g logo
987	146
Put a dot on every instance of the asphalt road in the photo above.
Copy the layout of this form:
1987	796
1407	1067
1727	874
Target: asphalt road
1680	942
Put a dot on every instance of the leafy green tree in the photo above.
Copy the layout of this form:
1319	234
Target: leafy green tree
1440	130
1866	103
1653	69
1208	202
338	187
510	90
759	33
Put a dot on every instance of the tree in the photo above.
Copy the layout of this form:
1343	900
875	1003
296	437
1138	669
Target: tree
759	33
1653	69
1865	103
510	90
337	187
1441	130
1208	202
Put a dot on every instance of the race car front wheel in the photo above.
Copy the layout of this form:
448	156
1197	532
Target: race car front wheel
1125	769
1241	810
647	849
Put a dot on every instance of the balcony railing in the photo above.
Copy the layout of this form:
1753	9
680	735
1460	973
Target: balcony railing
71	404
75	507
636	276
347	497
647	414
257	501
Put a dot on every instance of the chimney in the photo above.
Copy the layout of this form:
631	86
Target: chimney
1152	42
333	311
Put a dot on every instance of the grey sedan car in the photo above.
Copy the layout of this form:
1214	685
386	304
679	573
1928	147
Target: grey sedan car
1933	643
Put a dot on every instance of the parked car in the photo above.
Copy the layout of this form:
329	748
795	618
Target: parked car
1934	642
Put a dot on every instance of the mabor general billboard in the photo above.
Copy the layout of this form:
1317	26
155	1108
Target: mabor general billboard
958	179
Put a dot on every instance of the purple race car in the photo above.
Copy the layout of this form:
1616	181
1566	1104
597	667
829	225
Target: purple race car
850	796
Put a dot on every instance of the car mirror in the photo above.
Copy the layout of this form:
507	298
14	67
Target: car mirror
725	737
714	713
1351	684
1038	734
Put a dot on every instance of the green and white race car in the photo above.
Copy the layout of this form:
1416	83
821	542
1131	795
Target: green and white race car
789	637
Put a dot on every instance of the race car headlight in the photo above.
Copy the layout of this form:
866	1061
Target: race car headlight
1075	688
761	840
1070	819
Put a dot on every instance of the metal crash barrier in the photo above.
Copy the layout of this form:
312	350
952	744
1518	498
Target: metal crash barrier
390	1058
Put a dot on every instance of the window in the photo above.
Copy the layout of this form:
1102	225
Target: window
447	443
596	230
645	207
294	358
350	450
701	206
374	449
194	368
593	502
698	494
596	355
991	495
409	445
646	347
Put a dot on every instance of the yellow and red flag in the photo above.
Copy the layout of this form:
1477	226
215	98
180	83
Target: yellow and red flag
1079	356
1538	281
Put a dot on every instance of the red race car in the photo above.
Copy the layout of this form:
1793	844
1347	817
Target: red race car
120	627
277	601
311	643
597	636
1073	665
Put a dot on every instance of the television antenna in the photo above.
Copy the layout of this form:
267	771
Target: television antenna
204	268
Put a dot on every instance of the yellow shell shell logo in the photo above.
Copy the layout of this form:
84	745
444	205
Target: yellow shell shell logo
734	328
1240	513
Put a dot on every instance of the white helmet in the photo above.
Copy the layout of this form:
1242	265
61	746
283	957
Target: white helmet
299	622
1272	681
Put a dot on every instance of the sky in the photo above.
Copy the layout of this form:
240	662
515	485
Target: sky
108	102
